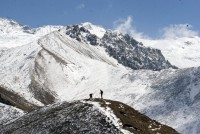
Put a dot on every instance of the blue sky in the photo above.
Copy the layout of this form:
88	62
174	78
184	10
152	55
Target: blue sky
147	16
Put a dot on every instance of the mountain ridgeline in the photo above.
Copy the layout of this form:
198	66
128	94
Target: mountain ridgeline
126	50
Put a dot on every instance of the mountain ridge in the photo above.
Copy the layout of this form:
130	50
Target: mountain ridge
123	48
13	34
86	116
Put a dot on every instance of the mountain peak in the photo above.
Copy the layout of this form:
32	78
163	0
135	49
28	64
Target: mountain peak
99	31
10	26
14	34
5	21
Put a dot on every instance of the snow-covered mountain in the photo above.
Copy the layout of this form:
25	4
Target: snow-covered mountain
73	62
122	47
13	34
182	52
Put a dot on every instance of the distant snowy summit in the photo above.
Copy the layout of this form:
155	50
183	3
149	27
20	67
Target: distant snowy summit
8	26
13	34
97	30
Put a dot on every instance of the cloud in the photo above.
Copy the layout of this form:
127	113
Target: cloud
172	31
125	26
81	6
178	31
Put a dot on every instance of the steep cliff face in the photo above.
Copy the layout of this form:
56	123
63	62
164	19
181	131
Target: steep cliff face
133	54
122	47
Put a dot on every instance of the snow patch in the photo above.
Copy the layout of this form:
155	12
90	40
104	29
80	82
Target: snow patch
110	116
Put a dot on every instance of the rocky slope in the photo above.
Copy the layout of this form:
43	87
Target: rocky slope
123	48
96	116
9	113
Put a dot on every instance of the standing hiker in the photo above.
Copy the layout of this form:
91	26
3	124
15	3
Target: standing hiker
101	92
90	96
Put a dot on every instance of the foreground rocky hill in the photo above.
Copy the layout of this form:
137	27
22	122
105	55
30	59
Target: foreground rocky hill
9	113
89	116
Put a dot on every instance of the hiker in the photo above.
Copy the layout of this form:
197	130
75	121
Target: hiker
91	96
101	92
